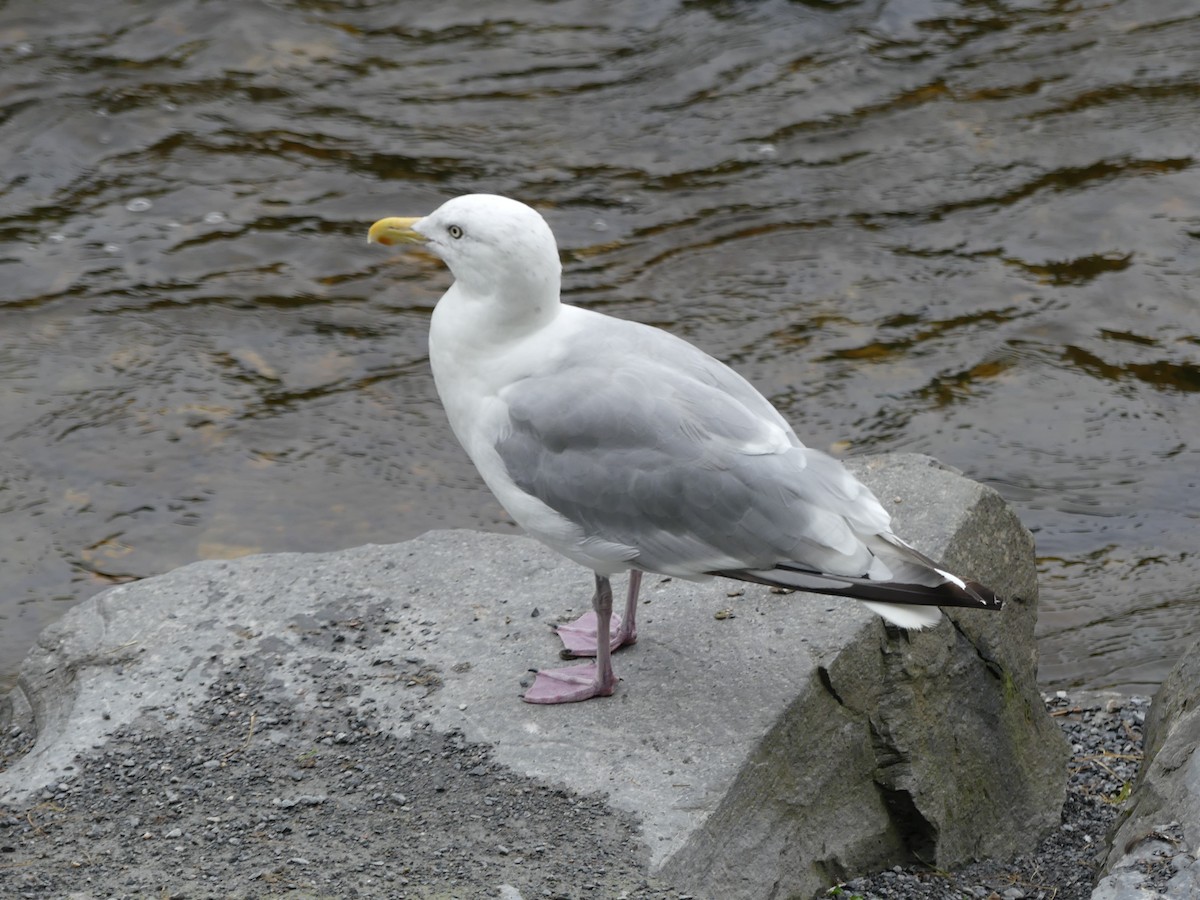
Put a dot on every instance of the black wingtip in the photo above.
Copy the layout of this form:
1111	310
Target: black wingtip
964	595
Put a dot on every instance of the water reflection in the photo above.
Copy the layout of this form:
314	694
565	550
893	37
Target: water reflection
965	229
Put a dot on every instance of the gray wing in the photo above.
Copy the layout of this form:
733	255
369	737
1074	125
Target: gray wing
643	440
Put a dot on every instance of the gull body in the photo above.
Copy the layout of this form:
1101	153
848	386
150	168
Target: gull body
625	448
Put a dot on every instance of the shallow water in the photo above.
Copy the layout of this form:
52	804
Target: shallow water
970	229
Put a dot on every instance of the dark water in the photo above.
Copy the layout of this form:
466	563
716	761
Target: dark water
965	227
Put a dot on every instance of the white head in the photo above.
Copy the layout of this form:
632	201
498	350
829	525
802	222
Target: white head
492	244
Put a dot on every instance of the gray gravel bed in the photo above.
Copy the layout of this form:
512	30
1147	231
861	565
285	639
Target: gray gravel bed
258	798
261	799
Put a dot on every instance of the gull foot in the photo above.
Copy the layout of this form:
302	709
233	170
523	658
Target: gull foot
579	637
569	685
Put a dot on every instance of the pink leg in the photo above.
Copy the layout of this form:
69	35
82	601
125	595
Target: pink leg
579	637
582	682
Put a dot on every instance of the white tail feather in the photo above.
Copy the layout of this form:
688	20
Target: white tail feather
913	618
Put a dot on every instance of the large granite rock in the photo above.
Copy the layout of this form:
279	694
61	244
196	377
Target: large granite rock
1158	831
769	751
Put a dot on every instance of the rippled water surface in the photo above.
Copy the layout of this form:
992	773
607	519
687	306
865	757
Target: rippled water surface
969	228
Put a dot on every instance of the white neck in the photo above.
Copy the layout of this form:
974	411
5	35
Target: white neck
477	345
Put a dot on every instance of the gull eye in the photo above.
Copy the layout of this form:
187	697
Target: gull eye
455	232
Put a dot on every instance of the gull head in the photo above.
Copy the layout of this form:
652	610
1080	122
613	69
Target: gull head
493	245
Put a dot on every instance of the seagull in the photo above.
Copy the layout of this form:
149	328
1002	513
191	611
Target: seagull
625	448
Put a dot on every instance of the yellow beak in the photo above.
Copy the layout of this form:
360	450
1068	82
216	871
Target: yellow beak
395	231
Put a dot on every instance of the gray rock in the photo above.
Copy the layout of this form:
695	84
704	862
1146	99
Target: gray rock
1125	884
1186	881
1165	800
912	728
794	744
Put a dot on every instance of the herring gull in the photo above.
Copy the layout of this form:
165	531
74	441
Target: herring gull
626	448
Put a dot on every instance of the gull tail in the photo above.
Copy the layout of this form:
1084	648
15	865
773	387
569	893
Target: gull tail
909	599
910	618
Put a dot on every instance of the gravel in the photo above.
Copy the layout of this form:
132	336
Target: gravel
318	801
256	797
